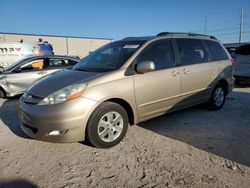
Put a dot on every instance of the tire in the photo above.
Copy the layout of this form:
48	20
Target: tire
2	93
107	125
217	98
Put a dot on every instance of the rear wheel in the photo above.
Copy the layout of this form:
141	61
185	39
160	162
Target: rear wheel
217	98
107	125
2	93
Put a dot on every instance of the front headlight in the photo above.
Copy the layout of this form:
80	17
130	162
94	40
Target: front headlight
65	94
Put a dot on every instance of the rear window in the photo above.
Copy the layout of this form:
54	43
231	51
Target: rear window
243	50
217	52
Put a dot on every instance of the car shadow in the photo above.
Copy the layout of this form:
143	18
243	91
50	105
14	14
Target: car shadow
243	84
9	116
17	183
224	133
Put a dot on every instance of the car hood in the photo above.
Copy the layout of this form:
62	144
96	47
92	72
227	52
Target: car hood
58	80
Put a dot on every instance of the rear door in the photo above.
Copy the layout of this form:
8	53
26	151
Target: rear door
158	91
197	71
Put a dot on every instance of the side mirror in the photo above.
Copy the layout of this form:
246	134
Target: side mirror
1	69
145	66
17	70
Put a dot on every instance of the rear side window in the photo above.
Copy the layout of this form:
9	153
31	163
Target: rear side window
191	51
160	52
217	52
59	63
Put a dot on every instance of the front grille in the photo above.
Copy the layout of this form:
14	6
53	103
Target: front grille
33	129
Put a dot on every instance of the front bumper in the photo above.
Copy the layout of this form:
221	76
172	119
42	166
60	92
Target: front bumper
70	118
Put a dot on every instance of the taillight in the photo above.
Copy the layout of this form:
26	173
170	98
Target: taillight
233	61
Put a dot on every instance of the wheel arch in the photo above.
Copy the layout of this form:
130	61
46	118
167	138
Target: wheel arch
127	107
224	83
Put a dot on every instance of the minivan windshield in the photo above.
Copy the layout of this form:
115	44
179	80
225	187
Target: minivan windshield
109	57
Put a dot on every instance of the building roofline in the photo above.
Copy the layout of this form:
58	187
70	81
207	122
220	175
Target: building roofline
66	36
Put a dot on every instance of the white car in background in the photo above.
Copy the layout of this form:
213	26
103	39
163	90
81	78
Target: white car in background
241	53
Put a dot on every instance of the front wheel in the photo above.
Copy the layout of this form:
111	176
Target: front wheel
107	125
217	98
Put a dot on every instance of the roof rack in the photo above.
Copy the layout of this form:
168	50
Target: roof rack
138	38
183	33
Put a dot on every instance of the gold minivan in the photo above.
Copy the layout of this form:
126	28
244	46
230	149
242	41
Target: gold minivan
124	83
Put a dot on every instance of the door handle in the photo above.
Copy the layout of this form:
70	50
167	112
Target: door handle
175	73
186	71
42	72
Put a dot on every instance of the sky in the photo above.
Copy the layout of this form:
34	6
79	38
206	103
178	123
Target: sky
117	19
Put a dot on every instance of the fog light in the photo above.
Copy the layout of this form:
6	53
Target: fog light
57	132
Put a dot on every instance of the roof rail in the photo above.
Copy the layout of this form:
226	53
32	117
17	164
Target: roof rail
188	33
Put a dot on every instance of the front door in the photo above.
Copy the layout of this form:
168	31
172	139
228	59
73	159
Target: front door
26	75
158	91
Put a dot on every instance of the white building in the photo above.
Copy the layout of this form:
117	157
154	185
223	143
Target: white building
62	45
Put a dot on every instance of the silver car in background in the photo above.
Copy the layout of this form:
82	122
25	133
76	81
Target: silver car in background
15	79
241	54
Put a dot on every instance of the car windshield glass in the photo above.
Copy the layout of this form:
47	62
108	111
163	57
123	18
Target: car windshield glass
13	65
109	57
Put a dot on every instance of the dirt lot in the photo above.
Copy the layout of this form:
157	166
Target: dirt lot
191	148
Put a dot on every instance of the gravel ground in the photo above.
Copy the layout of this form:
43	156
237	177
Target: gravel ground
191	148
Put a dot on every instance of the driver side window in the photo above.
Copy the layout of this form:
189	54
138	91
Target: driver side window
160	52
33	65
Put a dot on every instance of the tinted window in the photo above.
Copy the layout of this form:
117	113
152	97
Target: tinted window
59	63
217	52
191	51
243	50
160	52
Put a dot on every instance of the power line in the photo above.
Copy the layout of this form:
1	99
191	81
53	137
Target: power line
232	33
223	29
223	23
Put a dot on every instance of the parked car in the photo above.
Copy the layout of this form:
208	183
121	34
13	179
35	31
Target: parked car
16	78
127	82
241	53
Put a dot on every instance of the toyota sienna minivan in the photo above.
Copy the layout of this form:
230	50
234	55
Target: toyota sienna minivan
124	83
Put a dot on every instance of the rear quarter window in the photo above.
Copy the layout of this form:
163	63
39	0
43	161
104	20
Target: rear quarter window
216	50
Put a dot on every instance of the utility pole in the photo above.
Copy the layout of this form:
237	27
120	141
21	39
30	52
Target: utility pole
241	26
